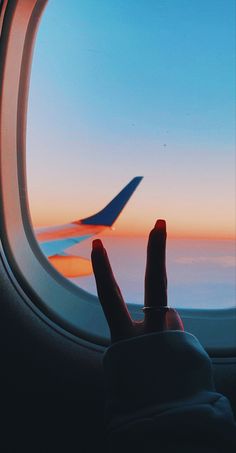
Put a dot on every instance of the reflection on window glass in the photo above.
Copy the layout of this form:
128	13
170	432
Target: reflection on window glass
122	89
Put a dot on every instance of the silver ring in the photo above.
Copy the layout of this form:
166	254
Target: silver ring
153	308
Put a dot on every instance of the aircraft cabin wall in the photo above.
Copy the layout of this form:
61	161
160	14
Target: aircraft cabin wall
49	384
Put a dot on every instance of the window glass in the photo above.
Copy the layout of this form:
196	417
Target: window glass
125	88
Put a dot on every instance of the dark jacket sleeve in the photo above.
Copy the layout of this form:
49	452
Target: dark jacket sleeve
161	398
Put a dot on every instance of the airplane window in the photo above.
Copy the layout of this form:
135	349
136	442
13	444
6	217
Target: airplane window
124	90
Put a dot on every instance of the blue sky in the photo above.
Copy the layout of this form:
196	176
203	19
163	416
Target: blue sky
126	88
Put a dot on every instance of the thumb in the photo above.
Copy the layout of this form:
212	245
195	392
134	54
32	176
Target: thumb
173	320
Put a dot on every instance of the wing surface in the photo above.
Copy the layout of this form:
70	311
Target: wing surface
55	240
57	247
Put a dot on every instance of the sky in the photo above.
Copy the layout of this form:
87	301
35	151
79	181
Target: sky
135	88
201	273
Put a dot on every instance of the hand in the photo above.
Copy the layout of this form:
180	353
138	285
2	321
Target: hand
157	316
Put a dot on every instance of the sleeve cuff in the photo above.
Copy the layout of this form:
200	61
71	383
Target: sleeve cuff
156	368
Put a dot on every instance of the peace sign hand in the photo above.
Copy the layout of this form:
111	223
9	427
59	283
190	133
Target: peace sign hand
157	316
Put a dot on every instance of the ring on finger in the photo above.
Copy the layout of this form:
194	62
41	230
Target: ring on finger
153	308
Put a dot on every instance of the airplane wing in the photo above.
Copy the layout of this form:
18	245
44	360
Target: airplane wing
55	240
108	215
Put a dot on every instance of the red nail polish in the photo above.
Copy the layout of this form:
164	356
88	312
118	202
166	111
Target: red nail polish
160	224
97	244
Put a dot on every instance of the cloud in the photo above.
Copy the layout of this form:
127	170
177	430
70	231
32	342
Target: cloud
224	261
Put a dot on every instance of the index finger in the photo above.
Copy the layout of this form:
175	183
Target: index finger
109	294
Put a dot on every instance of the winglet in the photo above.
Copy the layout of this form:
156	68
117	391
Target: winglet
109	214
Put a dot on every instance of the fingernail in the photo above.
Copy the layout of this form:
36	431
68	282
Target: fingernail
160	224
97	244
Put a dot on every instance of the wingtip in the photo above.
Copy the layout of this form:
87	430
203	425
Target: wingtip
138	178
108	215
